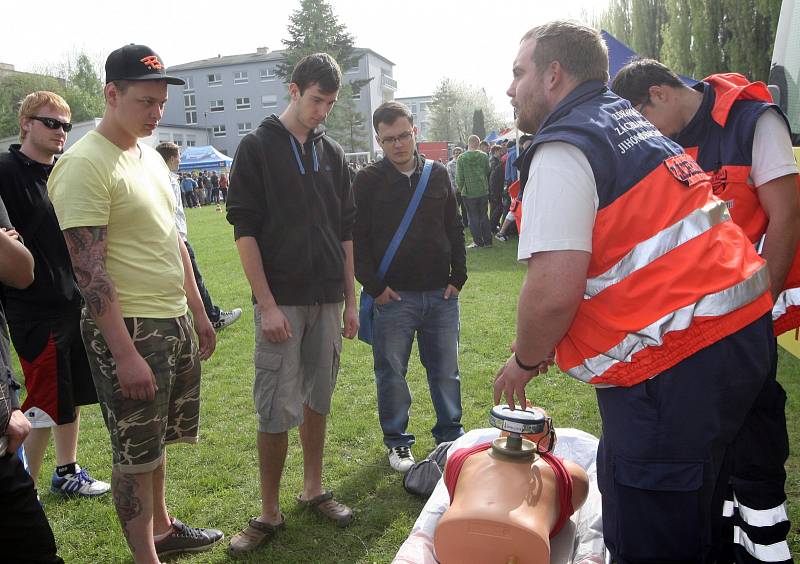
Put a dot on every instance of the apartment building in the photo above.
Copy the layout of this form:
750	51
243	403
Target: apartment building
419	110
230	95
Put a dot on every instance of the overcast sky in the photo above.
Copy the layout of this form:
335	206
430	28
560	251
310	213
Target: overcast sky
428	40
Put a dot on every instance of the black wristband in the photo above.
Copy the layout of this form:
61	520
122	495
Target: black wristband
525	366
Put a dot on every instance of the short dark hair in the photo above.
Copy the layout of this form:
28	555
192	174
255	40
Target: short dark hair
579	49
320	69
389	112
168	150
633	81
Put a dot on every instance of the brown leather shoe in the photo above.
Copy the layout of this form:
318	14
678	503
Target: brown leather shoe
255	535
325	505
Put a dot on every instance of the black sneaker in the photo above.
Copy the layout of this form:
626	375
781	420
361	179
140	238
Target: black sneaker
183	538
227	318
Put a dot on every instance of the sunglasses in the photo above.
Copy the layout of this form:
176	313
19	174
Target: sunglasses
51	123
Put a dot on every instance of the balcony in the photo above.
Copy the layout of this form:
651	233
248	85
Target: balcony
388	83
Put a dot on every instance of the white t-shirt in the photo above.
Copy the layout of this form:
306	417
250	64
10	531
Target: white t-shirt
772	149
560	202
180	216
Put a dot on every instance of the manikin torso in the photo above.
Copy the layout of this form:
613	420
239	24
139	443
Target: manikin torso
504	509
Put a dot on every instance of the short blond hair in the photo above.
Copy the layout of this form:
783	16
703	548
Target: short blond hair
35	101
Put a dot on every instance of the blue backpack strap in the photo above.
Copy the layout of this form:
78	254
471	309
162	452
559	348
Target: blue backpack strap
406	221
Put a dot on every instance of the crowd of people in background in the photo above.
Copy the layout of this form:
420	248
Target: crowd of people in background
203	188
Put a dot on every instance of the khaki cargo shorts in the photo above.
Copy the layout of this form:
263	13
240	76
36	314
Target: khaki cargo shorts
300	371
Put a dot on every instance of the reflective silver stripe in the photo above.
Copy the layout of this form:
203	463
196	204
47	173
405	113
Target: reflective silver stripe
691	226
778	552
727	508
712	305
761	517
786	299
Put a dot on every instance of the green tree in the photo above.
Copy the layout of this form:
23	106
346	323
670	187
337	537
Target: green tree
13	88
676	51
697	37
314	28
478	123
84	92
346	124
452	110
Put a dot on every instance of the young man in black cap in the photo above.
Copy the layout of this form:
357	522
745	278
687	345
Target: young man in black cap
116	209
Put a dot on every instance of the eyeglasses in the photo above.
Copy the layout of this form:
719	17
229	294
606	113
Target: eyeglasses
402	138
51	123
643	105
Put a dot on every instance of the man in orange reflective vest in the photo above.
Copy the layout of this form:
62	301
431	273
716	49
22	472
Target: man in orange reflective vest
662	303
741	138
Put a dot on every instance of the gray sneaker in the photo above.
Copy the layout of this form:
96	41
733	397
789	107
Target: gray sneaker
183	538
227	318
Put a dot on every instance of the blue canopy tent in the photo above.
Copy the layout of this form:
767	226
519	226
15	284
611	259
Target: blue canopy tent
492	137
203	158
620	55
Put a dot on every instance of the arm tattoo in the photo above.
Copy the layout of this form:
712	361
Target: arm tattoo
128	506
87	249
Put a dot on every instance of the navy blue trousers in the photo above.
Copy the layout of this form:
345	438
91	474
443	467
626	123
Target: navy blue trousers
666	453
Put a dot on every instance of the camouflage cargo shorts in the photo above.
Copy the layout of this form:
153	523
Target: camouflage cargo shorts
139	429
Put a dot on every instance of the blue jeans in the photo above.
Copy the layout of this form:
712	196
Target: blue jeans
477	210
436	324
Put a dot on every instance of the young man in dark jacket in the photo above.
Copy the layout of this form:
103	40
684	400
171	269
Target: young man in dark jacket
25	530
419	293
292	210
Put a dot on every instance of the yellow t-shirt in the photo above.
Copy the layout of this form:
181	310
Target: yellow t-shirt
96	183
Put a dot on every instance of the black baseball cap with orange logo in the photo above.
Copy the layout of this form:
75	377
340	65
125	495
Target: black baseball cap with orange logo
137	62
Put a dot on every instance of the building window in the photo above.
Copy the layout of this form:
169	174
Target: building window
242	103
191	141
268	73
178	139
245	128
353	69
191	118
216	106
219	131
189	102
164	138
189	83
269	100
357	94
240	77
215	79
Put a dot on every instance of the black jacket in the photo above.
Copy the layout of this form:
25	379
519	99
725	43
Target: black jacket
432	254
53	293
296	201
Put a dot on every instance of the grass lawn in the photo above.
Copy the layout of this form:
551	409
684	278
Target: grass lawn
215	483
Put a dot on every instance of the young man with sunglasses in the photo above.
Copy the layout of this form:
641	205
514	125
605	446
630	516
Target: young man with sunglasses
117	212
44	318
291	208
419	293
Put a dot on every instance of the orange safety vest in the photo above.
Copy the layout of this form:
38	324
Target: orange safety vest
722	146
669	274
